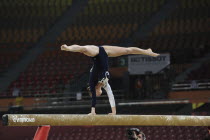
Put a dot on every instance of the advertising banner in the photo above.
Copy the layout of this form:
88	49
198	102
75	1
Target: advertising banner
139	64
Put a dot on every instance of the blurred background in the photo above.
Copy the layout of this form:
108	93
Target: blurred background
37	77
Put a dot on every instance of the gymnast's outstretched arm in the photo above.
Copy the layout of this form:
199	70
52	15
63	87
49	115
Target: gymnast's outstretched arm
109	92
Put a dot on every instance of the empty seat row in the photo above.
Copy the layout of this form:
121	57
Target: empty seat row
7	58
201	73
182	26
21	35
122	7
51	75
33	8
104	32
194	3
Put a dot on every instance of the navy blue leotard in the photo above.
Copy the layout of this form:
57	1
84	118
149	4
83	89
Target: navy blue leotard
98	71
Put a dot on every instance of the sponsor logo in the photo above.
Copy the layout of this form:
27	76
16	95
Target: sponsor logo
25	119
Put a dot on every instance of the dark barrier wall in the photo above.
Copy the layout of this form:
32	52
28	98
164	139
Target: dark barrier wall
104	133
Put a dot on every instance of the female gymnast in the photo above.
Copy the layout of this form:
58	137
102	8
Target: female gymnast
99	74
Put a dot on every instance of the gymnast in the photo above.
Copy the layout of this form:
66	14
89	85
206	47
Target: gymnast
99	74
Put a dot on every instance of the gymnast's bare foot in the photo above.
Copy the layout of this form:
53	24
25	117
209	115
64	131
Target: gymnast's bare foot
151	53
64	47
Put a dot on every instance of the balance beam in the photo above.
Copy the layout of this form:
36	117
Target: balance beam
103	120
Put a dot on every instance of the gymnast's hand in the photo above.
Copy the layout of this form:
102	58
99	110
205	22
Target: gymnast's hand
92	111
113	111
64	47
112	114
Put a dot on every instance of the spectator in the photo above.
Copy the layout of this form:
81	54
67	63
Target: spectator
208	136
16	91
19	103
11	108
194	84
138	89
19	100
135	134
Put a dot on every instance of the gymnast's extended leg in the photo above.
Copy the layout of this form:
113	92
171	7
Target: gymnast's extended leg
89	50
115	51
